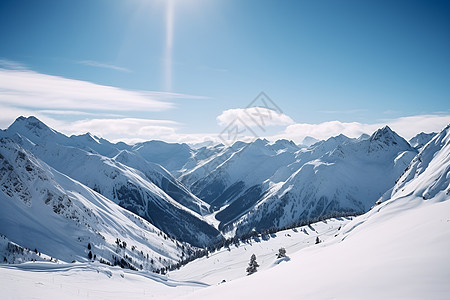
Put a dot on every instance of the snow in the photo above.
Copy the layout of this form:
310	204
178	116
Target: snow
94	280
86	281
45	210
126	178
399	249
401	255
230	264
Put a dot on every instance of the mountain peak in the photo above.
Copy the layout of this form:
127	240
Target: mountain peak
363	137
29	121
309	140
387	137
383	133
29	124
33	128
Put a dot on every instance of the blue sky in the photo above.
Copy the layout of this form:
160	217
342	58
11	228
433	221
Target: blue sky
187	67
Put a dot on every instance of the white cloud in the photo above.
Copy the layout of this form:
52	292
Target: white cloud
122	128
103	65
254	117
406	127
410	126
30	89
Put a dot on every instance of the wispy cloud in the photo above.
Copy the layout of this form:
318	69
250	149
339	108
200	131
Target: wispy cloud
11	64
97	64
24	88
106	111
344	111
76	113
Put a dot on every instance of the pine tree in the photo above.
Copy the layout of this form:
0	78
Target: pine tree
281	253
89	246
317	240
90	255
252	265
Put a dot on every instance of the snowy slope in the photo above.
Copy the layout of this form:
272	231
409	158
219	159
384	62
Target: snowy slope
398	250
127	178
45	210
93	281
230	263
87	281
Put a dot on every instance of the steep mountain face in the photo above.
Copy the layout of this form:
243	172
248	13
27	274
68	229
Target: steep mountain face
428	175
239	172
45	210
421	139
128	179
164	180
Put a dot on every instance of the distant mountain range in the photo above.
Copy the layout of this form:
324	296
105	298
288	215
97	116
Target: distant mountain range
165	198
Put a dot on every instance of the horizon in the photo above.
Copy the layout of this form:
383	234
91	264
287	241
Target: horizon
195	71
219	142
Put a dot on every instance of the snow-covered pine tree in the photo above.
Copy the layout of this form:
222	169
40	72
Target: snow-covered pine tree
281	253
252	265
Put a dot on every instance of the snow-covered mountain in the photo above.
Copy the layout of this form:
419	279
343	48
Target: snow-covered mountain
221	179
236	189
45	210
127	178
348	178
171	156
421	139
428	175
397	250
262	185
